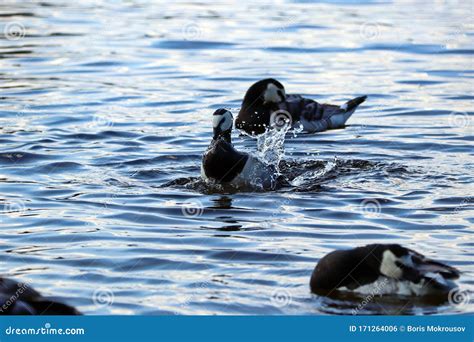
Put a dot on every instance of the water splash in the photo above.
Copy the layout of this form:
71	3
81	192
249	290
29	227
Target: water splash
297	128
270	146
309	176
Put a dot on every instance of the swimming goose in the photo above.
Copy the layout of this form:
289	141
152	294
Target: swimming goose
385	268
21	299
266	103
223	164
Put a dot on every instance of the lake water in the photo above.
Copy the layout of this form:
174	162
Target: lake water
106	110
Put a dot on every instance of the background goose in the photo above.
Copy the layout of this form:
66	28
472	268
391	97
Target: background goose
390	269
268	96
20	299
223	164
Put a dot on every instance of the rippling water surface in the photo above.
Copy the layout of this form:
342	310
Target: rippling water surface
105	113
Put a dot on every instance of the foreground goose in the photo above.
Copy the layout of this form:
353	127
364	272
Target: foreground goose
223	164
385	269
268	97
21	299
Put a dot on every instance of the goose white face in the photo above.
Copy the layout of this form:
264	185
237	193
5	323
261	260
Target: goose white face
222	122
273	94
388	266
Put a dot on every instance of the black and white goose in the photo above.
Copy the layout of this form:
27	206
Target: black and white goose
21	299
384	268
267	98
223	164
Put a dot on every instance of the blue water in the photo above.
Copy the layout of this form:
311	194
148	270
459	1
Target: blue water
105	112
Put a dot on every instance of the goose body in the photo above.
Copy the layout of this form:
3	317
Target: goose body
223	164
267	97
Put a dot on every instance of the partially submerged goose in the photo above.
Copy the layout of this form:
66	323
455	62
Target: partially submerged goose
21	299
391	268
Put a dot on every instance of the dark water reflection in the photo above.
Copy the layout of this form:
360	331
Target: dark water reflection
104	115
